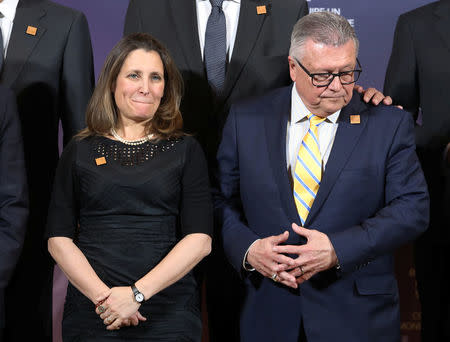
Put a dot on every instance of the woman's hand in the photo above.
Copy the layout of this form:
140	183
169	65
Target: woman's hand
133	320
117	308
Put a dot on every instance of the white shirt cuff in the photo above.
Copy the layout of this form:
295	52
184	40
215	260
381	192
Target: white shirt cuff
245	264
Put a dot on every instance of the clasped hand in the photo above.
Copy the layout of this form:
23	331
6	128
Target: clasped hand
269	257
117	308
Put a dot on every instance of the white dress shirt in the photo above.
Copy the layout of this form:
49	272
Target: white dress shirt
298	126
231	10
8	9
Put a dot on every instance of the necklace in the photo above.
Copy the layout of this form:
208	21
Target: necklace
131	142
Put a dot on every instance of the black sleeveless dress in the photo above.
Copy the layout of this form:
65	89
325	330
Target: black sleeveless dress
126	207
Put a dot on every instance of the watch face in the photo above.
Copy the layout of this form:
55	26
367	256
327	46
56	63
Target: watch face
139	297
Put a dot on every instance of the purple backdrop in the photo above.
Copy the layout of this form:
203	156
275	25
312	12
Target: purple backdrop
374	22
106	19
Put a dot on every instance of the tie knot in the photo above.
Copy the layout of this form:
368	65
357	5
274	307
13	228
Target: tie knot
216	3
315	120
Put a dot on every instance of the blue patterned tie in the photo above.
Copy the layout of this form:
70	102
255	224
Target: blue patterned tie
215	52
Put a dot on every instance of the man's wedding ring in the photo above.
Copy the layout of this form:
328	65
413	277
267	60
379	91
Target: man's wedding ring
275	277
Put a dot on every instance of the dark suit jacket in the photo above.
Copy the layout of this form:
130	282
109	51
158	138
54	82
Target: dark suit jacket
372	199
258	63
13	191
418	75
51	74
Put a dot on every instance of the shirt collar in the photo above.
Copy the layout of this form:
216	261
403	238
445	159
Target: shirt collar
299	110
8	8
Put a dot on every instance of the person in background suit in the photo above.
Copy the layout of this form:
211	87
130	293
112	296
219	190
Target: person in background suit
255	48
255	51
417	78
317	190
48	65
13	193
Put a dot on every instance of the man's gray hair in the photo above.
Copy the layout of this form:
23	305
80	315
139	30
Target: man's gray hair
324	28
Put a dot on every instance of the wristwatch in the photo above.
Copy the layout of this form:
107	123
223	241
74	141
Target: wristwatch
138	296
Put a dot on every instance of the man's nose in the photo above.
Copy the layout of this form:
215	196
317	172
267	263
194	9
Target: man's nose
335	84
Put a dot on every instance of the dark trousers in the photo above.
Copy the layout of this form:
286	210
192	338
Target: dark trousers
434	298
28	297
224	295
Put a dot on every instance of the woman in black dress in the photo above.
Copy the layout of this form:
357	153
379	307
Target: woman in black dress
131	211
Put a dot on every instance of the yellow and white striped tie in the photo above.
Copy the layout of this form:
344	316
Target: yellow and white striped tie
308	169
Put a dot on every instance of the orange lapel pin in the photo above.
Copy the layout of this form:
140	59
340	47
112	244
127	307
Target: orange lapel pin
355	119
261	9
31	30
100	161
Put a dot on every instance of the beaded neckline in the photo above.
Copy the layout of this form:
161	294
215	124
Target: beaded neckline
129	155
131	142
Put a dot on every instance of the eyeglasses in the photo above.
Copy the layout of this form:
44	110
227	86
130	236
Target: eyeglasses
324	79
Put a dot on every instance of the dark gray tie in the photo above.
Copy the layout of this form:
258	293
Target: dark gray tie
1	45
215	52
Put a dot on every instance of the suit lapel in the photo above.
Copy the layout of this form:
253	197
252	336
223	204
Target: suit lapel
275	129
21	43
249	27
442	22
185	21
345	142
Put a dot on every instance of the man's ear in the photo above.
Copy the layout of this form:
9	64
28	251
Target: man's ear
292	71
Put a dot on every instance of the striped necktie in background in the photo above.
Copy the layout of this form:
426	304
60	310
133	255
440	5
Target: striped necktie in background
308	169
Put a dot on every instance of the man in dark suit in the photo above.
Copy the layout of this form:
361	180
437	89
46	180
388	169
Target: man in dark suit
317	190
417	78
257	44
49	67
13	193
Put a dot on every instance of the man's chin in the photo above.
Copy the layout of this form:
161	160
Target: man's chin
332	105
333	99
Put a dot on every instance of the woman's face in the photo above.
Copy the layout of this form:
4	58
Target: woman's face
139	86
